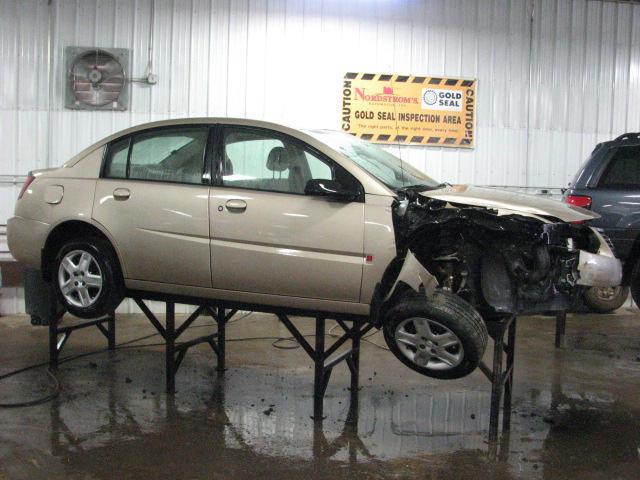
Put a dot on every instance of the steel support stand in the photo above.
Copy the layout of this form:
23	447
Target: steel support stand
170	347
501	378
58	336
175	352
324	360
319	377
561	326
222	325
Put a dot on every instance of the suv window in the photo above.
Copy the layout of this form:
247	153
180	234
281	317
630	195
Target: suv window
623	170
265	161
166	155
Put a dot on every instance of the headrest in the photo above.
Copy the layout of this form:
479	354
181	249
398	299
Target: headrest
278	159
228	166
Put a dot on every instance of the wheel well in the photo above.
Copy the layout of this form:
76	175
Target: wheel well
62	233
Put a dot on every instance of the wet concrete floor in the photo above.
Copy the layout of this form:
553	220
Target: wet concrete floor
576	411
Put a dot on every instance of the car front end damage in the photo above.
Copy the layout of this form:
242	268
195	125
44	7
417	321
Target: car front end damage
460	265
501	252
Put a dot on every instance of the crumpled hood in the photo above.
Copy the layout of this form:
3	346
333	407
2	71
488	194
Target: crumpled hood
510	202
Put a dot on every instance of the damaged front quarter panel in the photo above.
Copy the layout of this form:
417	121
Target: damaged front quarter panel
599	270
415	276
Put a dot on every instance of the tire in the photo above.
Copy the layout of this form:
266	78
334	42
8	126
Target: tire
635	283
605	300
443	314
90	266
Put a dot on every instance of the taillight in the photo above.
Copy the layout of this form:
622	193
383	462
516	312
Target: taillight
27	182
583	201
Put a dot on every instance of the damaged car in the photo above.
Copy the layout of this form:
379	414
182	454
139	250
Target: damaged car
264	217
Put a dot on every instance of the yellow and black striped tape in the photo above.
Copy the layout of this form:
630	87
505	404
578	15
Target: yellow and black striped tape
383	77
416	139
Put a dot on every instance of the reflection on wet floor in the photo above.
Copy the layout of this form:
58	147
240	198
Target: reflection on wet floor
575	416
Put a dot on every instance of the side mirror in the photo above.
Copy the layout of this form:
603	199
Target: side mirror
329	188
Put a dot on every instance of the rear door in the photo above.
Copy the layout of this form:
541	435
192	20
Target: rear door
615	194
267	236
153	198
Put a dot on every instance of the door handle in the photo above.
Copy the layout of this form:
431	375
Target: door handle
121	194
236	205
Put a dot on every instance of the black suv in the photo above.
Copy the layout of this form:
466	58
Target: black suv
609	184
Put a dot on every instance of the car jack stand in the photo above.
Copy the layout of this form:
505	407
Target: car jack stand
324	366
175	352
561	328
501	379
58	335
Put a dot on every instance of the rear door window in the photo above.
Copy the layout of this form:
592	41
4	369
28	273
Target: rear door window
175	154
623	171
171	155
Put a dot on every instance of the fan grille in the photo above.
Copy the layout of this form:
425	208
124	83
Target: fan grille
97	78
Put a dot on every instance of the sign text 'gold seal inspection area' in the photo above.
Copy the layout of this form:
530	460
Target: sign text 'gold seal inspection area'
407	109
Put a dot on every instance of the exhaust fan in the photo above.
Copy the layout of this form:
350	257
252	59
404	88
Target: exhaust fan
96	78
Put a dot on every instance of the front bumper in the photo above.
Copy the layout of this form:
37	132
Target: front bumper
600	269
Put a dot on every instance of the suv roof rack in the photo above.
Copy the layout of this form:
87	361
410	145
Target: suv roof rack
628	136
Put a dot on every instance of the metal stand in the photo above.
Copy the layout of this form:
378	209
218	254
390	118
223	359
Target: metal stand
561	326
501	379
323	358
58	336
175	352
324	366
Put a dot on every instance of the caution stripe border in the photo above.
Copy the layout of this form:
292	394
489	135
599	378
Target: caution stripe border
417	79
432	141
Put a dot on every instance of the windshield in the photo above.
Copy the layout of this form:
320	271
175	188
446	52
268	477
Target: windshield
384	166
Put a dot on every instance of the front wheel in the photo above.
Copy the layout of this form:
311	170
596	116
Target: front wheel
440	337
605	299
87	279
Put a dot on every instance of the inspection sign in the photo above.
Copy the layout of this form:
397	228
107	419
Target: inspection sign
408	109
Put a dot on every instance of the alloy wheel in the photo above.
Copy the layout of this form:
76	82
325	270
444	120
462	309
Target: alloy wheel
429	344
607	293
80	278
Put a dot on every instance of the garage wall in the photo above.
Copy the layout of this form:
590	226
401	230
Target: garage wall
554	77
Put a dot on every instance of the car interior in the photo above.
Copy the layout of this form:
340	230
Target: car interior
269	164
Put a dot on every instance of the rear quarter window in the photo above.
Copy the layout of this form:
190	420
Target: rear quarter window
116	161
623	170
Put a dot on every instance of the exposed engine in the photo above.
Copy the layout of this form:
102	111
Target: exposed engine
498	261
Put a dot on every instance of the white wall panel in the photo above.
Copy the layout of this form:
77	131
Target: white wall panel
549	86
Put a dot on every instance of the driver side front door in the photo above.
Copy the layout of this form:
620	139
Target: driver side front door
267	236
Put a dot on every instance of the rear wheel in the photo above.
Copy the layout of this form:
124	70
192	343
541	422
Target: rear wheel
605	299
440	337
87	278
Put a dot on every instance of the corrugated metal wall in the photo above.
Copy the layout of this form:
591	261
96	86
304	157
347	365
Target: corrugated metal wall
585	83
554	76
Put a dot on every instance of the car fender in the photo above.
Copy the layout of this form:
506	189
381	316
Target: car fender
415	276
